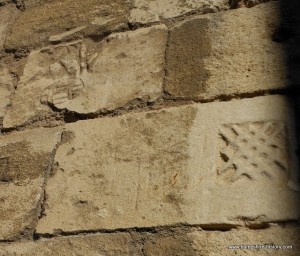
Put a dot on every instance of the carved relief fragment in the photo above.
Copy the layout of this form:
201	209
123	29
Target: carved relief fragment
62	91
253	151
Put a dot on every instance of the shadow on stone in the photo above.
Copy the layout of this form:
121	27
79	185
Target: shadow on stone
289	34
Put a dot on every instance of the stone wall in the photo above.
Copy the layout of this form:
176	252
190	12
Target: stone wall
137	127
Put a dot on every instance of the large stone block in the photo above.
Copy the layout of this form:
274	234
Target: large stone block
85	77
76	17
25	159
88	245
226	54
150	11
229	163
7	16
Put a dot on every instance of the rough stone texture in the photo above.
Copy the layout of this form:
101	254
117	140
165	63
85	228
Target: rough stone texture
178	242
205	164
90	245
6	88
115	178
226	54
25	158
7	16
197	243
84	77
149	11
38	23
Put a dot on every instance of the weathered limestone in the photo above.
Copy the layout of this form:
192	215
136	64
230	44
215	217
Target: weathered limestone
229	163
216	243
149	11
185	242
89	245
7	16
38	23
226	54
85	77
25	157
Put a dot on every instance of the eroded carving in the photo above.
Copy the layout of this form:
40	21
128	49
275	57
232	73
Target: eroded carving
76	60
62	91
253	151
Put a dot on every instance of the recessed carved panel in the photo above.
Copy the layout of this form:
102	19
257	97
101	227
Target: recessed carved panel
253	151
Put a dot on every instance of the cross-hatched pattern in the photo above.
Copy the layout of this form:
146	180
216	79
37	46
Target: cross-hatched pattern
253	150
62	91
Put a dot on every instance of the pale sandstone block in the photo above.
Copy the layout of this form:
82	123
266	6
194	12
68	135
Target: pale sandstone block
229	163
145	11
226	54
89	245
213	243
25	157
85	78
40	21
7	16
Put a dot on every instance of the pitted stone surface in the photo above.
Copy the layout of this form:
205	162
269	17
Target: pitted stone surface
85	77
149	11
41	21
25	158
168	167
226	54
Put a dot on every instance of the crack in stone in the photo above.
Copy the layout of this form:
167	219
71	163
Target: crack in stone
171	229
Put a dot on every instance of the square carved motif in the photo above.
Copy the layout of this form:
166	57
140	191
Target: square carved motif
253	151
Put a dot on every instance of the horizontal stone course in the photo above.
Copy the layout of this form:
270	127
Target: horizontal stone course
86	77
226	53
208	57
37	23
181	242
196	164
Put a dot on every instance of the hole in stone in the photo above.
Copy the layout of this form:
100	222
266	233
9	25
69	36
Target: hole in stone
224	157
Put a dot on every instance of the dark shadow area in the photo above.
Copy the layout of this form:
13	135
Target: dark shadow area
289	35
